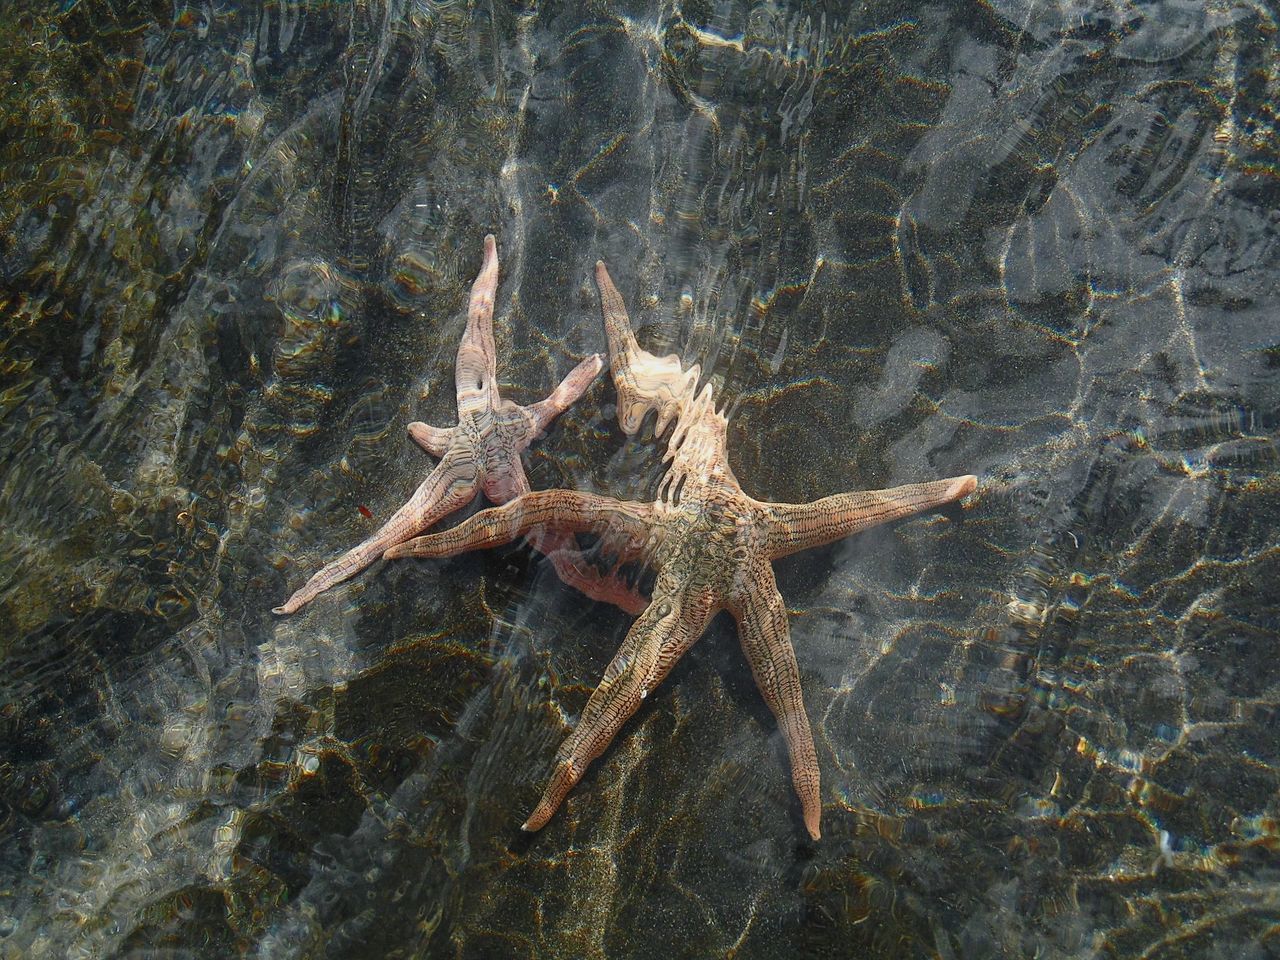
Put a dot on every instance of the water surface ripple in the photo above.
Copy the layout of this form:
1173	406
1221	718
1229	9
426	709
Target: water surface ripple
1035	240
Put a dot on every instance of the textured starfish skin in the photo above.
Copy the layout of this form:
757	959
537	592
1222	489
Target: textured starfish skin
481	453
712	548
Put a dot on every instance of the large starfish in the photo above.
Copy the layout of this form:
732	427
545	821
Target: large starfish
712	548
481	452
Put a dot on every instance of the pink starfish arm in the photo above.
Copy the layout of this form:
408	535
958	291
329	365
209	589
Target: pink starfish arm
476	371
450	486
567	558
552	517
765	636
573	386
623	525
657	640
791	527
434	440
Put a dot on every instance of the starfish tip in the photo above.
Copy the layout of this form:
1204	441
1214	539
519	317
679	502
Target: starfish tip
963	486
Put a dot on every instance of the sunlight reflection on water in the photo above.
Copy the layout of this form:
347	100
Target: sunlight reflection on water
1035	242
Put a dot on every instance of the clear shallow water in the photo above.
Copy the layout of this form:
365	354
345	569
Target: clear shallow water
1036	242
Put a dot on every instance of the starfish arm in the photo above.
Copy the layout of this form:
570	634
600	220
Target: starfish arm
476	371
566	394
566	556
662	635
560	511
434	440
617	324
791	527
644	382
449	487
766	640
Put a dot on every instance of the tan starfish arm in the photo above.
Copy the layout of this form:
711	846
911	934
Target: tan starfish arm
571	566
566	393
791	527
567	558
625	524
644	382
662	635
450	486
476	371
617	324
765	636
434	440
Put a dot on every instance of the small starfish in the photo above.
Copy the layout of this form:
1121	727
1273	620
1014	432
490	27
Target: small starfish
712	547
482	451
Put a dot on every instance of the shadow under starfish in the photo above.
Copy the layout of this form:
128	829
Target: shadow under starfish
710	544
481	452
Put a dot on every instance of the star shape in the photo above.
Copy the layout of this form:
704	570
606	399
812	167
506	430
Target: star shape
482	453
711	547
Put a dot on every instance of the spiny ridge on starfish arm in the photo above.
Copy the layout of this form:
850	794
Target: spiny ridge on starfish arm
480	454
710	545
